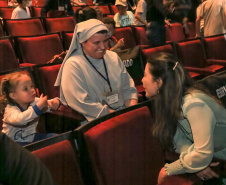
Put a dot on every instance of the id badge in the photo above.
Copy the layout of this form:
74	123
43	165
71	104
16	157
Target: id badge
28	131
112	99
60	8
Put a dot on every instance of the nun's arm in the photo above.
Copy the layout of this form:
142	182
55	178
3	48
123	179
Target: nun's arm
76	94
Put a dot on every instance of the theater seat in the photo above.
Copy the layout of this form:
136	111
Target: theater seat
67	38
8	58
2	34
6	12
127	34
174	32
3	3
59	156
23	27
46	45
122	150
59	24
140	35
192	30
114	9
191	54
104	9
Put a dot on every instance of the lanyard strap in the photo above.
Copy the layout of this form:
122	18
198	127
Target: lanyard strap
106	71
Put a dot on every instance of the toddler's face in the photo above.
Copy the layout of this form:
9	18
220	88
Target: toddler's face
121	9
24	93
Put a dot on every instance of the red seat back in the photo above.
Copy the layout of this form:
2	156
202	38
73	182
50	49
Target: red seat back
123	151
3	3
89	2
140	34
1	30
61	160
175	32
104	9
24	27
215	47
59	24
192	30
8	58
127	34
38	3
147	53
191	53
6	13
114	9
67	38
46	45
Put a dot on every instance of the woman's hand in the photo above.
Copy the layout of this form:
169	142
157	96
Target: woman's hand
54	104
208	173
162	175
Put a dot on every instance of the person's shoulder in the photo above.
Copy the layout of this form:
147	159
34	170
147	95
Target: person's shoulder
129	12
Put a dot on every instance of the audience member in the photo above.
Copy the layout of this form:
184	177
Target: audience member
12	3
114	44
201	28
57	8
123	17
22	11
84	14
23	108
140	14
99	81
213	12
19	166
79	2
99	13
188	120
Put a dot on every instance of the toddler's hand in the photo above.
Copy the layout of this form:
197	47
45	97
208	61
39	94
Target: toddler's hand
54	103
42	103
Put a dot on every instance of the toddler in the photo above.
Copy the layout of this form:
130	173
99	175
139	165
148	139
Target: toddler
23	108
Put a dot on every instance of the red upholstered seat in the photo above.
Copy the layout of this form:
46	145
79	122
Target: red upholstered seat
122	150
215	47
59	24
127	34
175	32
191	54
140	34
38	3
67	38
46	45
104	9
114	9
8	58
192	30
75	8
1	30
35	11
6	13
3	3
89	2
62	162
24	27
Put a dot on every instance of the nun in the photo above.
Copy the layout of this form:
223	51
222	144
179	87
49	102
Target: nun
92	79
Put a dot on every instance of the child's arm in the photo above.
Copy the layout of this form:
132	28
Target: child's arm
139	18
119	44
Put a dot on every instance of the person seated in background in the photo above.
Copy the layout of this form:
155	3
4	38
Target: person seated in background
114	44
22	108
84	14
57	8
188	119
123	17
140	14
99	13
99	82
22	11
19	166
12	3
78	2
201	20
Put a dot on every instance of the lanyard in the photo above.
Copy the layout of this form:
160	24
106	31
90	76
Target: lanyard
106	79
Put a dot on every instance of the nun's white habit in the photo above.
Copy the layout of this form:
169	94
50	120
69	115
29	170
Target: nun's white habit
82	88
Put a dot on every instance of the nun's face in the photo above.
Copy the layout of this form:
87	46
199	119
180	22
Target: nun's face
96	45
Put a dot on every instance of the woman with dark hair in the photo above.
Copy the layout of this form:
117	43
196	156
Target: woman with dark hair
92	79
188	119
84	14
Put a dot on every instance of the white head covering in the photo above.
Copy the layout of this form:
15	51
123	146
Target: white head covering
83	31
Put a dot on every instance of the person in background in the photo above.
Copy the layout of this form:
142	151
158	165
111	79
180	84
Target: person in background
140	14
19	166
78	2
99	13
201	28
99	82
22	11
57	8
84	14
187	118
123	17
114	44
22	108
214	14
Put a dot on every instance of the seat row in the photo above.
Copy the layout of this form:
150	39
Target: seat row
117	149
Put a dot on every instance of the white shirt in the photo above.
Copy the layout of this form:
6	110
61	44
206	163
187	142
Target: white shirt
124	20
20	13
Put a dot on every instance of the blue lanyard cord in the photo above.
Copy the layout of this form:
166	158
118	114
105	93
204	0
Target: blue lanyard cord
106	79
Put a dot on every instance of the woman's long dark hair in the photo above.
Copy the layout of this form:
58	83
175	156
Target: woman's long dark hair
168	102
